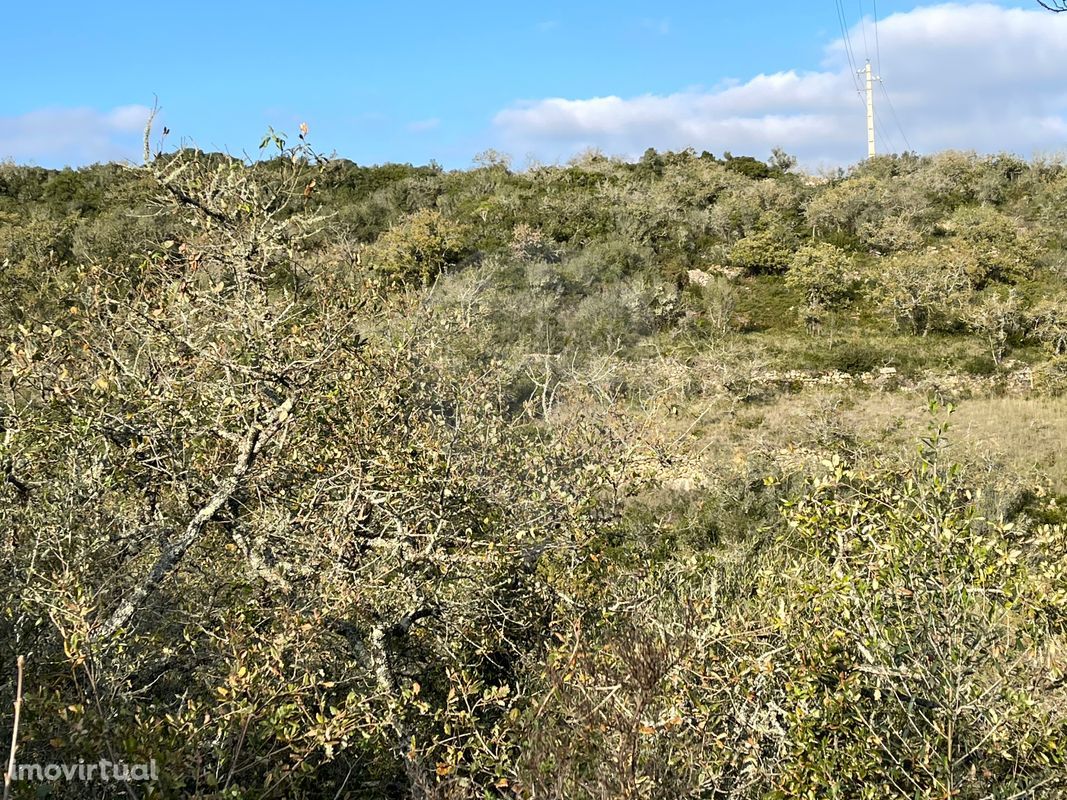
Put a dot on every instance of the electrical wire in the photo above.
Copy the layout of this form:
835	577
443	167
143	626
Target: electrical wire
847	41
881	132
877	44
863	27
896	118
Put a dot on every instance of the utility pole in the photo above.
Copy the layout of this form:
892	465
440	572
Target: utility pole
870	109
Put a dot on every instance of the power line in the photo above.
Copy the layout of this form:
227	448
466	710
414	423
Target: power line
896	118
877	44
863	27
847	41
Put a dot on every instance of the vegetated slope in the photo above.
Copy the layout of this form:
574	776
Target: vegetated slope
600	480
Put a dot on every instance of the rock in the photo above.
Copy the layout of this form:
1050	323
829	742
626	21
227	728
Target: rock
699	277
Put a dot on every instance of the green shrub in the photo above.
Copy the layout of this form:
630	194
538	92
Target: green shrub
823	274
714	299
1048	325
993	245
913	632
770	250
983	366
605	261
921	291
853	358
998	318
418	247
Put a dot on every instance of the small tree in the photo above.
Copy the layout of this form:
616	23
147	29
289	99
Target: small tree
823	273
770	250
992	245
921	291
998	319
1048	324
418	248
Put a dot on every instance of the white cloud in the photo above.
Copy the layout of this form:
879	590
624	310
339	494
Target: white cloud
60	136
960	76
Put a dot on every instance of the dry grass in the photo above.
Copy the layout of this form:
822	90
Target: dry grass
1023	436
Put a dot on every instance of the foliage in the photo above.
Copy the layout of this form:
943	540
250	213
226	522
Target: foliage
769	250
914	635
996	249
1048	322
892	641
304	555
320	479
822	272
999	319
418	248
922	292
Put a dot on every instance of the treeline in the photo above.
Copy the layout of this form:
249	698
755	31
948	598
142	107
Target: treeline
947	224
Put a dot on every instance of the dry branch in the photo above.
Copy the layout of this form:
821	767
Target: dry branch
172	554
9	774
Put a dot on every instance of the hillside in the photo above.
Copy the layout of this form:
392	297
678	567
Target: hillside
692	477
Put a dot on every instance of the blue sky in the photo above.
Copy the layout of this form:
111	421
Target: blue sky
417	81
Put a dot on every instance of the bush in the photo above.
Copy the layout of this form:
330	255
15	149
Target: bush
853	358
883	639
606	261
714	298
921	291
914	633
823	273
417	248
894	234
770	250
983	366
995	247
998	319
1048	325
620	314
530	244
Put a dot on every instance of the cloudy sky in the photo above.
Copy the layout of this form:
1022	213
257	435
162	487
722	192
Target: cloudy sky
390	82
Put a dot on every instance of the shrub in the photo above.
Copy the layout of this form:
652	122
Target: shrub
1050	377
621	313
882	640
998	319
853	358
982	365
921	291
277	556
530	244
417	248
995	247
606	261
822	273
894	234
770	250
913	634
714	298
1048	324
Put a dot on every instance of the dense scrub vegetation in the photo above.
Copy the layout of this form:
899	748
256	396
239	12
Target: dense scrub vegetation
684	478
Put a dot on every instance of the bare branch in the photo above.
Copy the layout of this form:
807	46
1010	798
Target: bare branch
172	554
9	773
148	132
